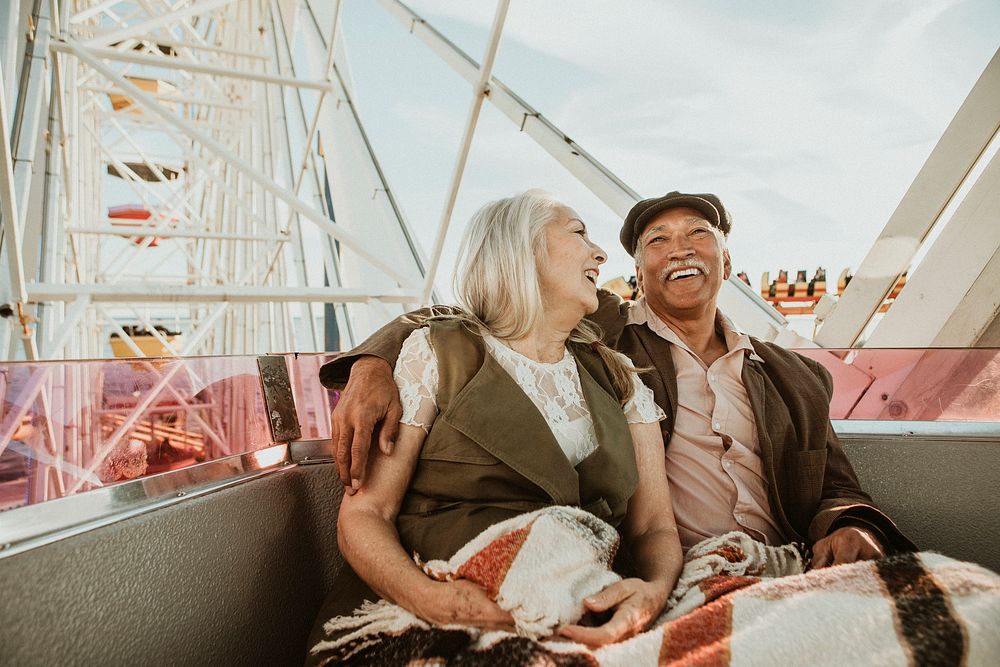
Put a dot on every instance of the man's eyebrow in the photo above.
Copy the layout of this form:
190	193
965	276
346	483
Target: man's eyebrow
580	221
653	230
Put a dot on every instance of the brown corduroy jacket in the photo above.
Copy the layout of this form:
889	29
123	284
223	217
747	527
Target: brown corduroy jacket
811	484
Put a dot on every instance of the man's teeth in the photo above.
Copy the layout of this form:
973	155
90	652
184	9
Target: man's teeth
591	276
684	273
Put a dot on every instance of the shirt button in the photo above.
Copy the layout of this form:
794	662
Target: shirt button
711	376
717	425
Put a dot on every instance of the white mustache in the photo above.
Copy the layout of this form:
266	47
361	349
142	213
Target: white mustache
664	273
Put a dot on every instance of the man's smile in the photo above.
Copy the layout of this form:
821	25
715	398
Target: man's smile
680	274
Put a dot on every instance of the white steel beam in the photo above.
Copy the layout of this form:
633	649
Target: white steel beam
618	196
165	293
92	11
166	18
194	339
235	162
328	74
744	305
360	196
191	100
67	328
168	62
11	228
117	328
960	147
141	230
236	53
479	92
952	296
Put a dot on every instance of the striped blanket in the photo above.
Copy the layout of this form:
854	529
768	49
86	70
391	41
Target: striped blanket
737	602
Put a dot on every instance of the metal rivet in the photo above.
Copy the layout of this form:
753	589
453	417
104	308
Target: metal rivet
181	494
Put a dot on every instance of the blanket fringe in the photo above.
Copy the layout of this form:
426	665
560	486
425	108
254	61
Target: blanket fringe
371	618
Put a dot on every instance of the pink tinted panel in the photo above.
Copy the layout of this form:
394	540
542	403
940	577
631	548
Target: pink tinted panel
937	384
66	427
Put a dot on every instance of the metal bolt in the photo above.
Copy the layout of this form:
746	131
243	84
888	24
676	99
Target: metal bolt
897	409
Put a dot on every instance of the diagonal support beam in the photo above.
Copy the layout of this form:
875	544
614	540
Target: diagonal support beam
11	229
166	18
167	62
479	93
254	174
737	299
937	183
68	326
138	292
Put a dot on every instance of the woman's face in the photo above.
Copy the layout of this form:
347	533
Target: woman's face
567	271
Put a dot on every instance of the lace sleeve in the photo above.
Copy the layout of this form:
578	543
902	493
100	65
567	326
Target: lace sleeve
416	377
641	408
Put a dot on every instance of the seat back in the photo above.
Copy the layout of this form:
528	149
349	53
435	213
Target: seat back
233	577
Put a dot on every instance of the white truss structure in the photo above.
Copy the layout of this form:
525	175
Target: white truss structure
231	122
229	128
209	119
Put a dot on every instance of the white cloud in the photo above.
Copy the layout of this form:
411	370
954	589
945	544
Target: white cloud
811	119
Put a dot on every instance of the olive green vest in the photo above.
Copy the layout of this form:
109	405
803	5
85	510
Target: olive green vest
490	455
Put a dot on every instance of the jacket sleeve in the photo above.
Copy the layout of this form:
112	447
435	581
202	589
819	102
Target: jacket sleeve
611	315
384	343
843	502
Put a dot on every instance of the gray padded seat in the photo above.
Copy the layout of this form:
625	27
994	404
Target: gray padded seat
232	578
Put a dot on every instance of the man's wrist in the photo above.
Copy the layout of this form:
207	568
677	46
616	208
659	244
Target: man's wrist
370	363
854	522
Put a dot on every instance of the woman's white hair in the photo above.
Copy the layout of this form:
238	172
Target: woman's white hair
496	279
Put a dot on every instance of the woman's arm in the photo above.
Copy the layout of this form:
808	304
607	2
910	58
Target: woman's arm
368	540
651	532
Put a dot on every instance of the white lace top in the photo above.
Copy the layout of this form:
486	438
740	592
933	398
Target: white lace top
553	388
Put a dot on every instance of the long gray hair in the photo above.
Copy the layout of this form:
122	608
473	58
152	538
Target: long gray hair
496	278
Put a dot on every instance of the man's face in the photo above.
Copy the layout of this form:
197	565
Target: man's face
683	263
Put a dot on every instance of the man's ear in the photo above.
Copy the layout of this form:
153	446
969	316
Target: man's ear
727	264
638	277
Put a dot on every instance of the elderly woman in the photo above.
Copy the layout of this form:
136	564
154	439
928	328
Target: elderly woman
510	405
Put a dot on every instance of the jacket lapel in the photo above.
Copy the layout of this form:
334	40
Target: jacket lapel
494	412
612	465
753	381
657	351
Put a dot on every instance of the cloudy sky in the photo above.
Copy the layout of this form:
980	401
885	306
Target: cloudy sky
810	120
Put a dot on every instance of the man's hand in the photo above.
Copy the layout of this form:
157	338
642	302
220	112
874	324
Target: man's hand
370	398
637	603
846	545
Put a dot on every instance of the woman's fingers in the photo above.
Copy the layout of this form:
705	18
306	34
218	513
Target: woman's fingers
609	597
636	604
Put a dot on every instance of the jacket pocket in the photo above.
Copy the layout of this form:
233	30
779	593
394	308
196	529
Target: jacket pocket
458	453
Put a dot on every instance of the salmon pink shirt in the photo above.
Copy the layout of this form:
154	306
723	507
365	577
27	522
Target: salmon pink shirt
713	459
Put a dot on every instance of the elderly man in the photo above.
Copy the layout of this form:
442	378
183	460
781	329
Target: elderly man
749	444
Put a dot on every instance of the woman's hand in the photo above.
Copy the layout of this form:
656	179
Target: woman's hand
462	602
637	603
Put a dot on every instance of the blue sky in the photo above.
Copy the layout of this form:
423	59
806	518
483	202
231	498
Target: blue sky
810	120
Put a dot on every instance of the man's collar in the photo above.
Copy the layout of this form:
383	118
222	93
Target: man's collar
640	313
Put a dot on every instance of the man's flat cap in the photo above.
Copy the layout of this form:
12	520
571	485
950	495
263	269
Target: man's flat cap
644	212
